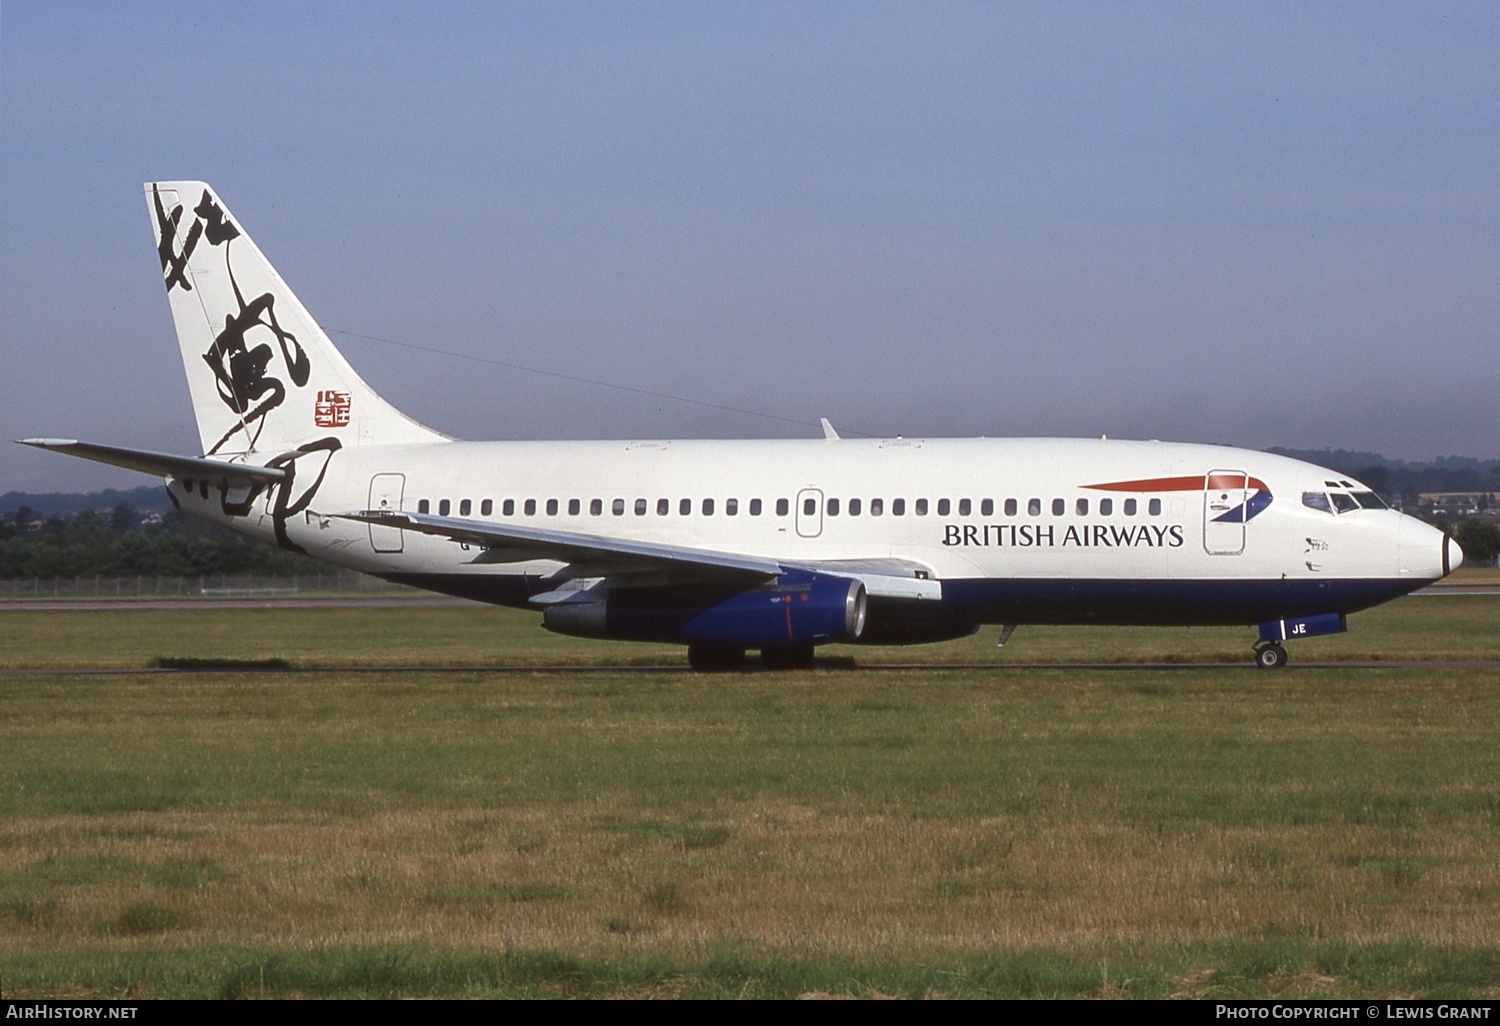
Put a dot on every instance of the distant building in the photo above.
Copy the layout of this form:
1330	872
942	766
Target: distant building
1459	504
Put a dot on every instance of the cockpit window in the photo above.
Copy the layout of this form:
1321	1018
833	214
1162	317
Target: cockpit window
1369	500
1344	502
1316	500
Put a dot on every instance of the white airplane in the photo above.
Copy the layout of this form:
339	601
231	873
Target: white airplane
725	546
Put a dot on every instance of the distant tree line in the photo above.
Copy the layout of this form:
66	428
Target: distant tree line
1480	538
120	542
1396	480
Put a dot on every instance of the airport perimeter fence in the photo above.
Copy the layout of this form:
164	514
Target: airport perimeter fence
210	586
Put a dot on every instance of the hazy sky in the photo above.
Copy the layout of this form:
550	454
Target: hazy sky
1260	224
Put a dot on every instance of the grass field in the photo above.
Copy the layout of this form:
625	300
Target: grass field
1451	627
931	832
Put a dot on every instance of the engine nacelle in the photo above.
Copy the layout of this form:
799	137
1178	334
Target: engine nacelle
795	609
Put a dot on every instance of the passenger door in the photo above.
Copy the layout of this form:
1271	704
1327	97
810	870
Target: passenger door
385	494
1225	494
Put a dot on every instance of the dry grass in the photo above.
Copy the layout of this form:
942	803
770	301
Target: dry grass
587	881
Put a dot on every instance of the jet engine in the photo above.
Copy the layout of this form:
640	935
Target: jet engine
795	609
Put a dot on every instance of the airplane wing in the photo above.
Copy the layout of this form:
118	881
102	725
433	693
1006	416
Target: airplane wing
160	463
601	556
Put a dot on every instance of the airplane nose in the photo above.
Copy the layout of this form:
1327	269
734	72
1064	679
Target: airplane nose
1453	556
1425	552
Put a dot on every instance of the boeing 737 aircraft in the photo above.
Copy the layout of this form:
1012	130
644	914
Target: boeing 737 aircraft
725	546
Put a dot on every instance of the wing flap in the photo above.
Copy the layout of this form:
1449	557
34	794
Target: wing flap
568	546
595	557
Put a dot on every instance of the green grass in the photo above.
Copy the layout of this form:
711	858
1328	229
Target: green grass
1198	832
1418	627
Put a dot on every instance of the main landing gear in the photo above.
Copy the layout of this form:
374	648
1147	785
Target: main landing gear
707	657
1270	656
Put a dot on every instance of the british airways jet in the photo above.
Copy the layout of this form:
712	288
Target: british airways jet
728	546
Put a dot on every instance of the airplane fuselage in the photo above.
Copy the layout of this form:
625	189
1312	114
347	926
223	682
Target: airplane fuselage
1012	530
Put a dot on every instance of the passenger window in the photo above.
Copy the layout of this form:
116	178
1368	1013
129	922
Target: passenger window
833	507
1081	507
464	506
809	507
1010	507
552	507
1154	508
663	507
617	507
783	507
1344	502
575	507
509	508
1316	500
443	507
596	507
530	507
486	507
1106	507
944	506
854	507
685	507
964	508
1034	507
1058	507
898	507
755	507
877	507
423	506
987	508
921	508
1130	507
708	507
731	507
640	507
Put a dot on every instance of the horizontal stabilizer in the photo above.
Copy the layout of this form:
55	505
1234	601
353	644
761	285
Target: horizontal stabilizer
160	463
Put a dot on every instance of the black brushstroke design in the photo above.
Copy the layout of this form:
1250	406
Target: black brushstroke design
218	228
242	507
240	369
174	264
287	507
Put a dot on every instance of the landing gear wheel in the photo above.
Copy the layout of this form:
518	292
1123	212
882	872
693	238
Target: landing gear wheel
707	658
787	657
1270	657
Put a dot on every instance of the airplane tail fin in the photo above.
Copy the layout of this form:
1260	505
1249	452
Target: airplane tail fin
263	376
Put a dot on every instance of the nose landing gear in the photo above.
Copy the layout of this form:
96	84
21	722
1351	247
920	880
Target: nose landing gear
1269	655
